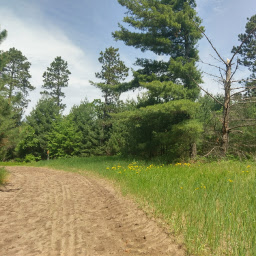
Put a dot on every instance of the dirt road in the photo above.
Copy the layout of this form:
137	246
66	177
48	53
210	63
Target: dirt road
50	213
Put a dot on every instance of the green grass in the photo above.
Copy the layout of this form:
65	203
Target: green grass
211	205
12	163
3	176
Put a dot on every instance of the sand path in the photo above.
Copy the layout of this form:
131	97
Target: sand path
46	212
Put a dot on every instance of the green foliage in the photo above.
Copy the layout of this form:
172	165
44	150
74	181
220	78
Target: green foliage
3	35
63	139
157	130
243	122
87	118
31	158
163	25
8	130
248	51
167	28
113	72
55	78
34	133
15	76
210	115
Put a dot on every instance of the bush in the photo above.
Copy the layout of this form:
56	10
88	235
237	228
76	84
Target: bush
31	158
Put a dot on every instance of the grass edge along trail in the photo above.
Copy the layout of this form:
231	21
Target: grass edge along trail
3	176
211	205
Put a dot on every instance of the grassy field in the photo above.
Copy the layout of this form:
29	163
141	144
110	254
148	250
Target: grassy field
212	206
3	175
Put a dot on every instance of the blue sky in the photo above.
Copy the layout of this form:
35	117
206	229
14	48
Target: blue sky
78	30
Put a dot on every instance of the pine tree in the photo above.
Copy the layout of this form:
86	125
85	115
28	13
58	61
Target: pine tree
167	28
36	128
113	72
55	78
248	53
15	79
3	35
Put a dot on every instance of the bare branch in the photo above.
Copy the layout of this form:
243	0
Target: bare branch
212	65
242	125
238	93
238	88
210	44
233	120
234	72
211	151
211	75
215	58
221	74
237	131
237	103
244	87
238	49
207	93
244	80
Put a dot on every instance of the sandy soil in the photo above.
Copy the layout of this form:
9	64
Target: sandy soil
46	212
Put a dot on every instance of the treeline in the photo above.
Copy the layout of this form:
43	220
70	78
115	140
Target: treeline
171	119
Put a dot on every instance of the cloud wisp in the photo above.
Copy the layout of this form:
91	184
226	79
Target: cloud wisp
41	43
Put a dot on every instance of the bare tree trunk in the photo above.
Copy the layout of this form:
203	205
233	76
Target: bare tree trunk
226	110
193	151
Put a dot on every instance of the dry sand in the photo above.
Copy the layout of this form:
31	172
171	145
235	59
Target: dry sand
46	212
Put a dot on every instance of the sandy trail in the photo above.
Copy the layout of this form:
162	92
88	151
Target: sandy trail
46	212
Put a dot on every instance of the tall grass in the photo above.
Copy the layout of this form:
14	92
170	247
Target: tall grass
212	205
3	176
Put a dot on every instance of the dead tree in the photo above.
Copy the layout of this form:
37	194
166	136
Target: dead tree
226	81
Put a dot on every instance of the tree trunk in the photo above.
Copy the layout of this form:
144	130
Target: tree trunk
226	110
193	151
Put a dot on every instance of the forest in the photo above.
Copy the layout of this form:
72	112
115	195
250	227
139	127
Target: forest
175	119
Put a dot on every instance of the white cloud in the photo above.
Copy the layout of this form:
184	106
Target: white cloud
41	43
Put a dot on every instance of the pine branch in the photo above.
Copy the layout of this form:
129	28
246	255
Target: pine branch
239	48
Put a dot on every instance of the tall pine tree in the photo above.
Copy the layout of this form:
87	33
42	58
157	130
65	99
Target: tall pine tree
167	28
55	78
113	72
15	79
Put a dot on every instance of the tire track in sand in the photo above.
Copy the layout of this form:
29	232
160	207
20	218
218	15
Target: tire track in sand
55	213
